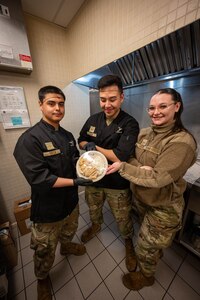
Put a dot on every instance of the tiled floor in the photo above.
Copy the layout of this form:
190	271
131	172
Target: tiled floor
97	274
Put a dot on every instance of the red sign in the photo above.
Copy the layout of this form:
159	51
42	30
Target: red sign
25	57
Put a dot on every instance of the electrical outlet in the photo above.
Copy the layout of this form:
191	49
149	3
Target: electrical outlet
4	11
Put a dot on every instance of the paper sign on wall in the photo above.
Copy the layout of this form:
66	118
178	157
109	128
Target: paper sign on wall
13	109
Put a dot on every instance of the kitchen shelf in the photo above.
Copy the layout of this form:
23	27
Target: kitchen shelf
186	241
192	209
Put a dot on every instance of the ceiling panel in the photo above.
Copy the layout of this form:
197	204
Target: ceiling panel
67	12
59	12
45	9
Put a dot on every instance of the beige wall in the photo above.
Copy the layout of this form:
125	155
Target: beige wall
102	31
105	30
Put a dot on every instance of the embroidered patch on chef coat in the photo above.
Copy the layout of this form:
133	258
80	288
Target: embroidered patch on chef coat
49	146
51	153
119	130
71	143
91	131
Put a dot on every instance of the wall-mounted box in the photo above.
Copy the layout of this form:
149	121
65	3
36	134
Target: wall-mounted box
14	48
22	210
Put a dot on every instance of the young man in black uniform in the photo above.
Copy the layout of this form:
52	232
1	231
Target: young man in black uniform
46	154
113	132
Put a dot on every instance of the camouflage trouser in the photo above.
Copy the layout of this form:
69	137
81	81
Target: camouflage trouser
119	202
44	240
158	228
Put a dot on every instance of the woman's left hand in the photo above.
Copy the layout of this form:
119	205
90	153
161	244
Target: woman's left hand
114	167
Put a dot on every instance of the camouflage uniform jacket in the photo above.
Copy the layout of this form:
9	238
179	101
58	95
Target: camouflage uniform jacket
170	155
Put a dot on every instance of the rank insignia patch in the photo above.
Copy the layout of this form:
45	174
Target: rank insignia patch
49	146
91	131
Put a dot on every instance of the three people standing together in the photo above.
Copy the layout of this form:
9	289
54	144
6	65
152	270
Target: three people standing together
153	163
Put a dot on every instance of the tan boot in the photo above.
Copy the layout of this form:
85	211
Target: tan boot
72	248
136	280
44	289
89	233
131	261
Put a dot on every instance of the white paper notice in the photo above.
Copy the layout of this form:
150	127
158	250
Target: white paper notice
6	51
13	109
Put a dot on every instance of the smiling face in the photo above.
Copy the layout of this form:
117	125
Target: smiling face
53	108
111	100
162	109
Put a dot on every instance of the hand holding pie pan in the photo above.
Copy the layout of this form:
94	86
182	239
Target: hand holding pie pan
92	165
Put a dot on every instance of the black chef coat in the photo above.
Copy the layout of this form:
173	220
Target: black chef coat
120	136
44	154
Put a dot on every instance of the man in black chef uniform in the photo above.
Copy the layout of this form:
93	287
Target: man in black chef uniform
47	154
112	132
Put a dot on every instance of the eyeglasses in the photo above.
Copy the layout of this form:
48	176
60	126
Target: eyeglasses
160	108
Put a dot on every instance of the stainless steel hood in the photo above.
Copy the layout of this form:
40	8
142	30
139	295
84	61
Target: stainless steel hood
177	54
14	48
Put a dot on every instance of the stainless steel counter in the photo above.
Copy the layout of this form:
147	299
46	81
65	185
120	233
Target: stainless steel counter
188	235
193	174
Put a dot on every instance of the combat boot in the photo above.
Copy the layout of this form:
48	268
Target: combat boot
89	233
44	289
137	280
131	261
161	254
72	248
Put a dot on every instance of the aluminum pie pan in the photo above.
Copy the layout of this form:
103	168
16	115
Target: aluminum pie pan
92	165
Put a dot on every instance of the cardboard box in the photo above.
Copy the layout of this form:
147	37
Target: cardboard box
22	210
8	247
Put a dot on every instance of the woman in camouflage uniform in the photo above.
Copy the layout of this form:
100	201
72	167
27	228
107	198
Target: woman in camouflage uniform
164	152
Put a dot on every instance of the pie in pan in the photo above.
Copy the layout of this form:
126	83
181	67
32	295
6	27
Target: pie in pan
92	165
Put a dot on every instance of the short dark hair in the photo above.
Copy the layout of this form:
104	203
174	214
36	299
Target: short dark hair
49	89
109	80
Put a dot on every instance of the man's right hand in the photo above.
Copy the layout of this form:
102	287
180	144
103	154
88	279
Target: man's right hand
82	181
89	146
